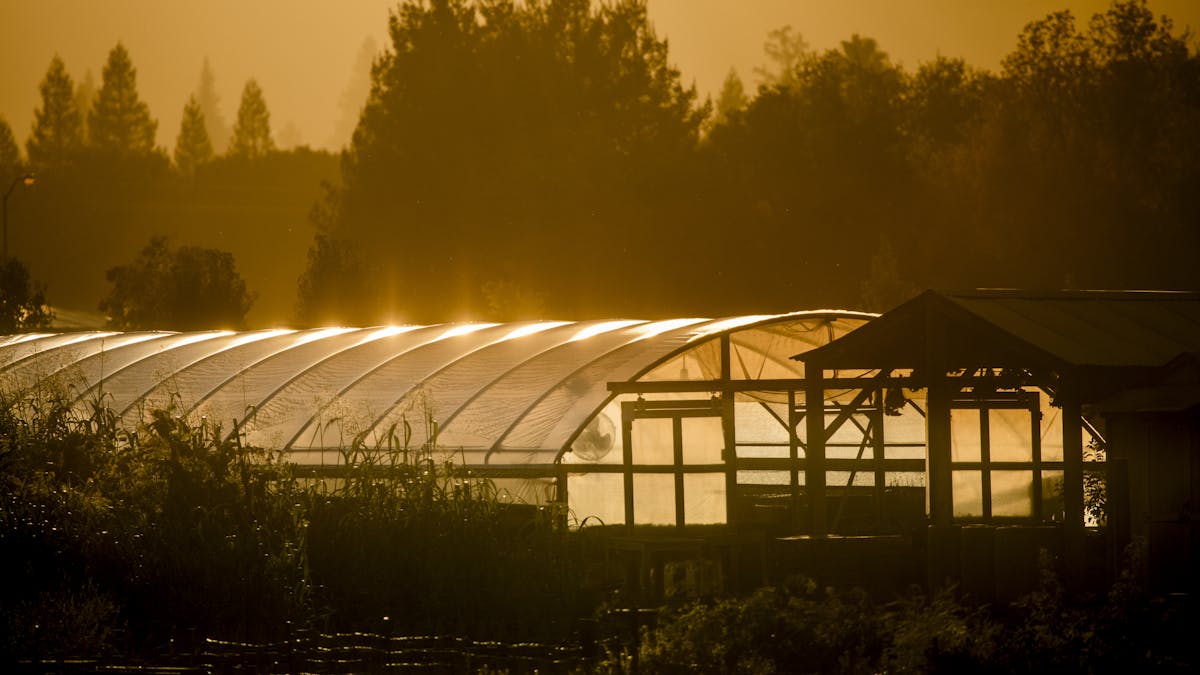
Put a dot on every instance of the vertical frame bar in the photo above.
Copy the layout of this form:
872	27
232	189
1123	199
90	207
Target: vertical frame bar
985	458
878	448
814	452
627	415
728	427
677	439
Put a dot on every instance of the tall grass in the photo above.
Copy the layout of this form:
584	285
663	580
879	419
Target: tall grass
175	528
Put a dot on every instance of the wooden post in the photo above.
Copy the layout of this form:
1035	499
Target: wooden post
1073	528
728	424
937	442
814	453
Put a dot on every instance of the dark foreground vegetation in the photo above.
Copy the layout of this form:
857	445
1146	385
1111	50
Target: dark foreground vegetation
164	543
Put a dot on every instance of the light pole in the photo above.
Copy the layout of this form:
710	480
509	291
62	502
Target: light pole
25	180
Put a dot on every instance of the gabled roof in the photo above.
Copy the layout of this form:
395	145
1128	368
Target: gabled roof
1056	331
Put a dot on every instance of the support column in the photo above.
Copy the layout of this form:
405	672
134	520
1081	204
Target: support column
1073	527
814	453
728	429
937	443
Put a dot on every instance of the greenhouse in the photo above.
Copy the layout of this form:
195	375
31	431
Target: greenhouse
956	426
626	422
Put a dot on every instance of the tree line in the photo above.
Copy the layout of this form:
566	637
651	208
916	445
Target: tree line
545	158
162	227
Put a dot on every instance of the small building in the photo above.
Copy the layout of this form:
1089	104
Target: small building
1120	368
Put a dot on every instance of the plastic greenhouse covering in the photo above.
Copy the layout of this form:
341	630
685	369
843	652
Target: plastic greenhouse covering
494	394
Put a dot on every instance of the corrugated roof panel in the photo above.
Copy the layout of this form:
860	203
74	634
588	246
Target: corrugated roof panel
70	364
1092	329
487	417
360	403
445	392
293	386
125	386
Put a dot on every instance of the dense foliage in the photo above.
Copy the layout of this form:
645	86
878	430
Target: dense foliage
549	147
22	300
121	540
188	288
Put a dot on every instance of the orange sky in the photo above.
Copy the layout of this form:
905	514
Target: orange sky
302	51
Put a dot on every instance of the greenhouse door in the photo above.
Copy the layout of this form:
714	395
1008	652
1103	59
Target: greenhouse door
674	467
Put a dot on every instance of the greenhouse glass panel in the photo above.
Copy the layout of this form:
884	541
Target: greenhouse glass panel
348	394
965	435
561	411
704	498
600	496
1011	435
968	494
487	418
124	387
653	499
1012	494
653	440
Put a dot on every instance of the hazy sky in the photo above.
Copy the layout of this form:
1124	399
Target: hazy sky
302	51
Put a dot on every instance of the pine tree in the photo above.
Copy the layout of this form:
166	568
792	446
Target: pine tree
732	99
57	127
10	154
119	121
252	132
192	146
210	105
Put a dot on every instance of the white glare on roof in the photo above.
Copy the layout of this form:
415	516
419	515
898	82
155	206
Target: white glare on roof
321	335
389	331
465	329
247	338
534	328
726	324
592	331
660	327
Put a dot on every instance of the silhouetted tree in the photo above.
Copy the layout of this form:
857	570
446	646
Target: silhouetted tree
10	154
192	146
210	105
884	286
190	288
506	138
786	51
119	122
252	131
22	301
334	273
57	127
731	100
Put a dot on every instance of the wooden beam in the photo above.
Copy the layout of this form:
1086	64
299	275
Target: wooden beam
814	470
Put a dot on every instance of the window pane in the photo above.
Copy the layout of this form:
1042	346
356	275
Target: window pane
964	435
596	495
772	451
1052	495
1011	435
653	441
704	498
1012	494
904	479
703	440
751	477
654	499
968	493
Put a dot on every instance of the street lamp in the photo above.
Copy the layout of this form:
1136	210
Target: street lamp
25	180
